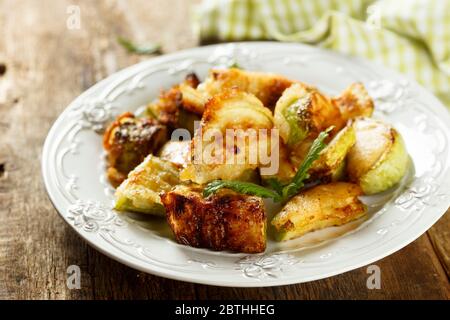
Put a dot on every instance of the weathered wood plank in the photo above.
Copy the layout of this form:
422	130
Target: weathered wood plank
407	274
440	238
47	65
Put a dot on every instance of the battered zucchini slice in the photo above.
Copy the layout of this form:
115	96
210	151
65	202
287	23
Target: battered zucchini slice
178	107
267	87
303	112
354	102
193	100
140	191
211	157
330	166
379	158
320	207
286	168
223	221
177	152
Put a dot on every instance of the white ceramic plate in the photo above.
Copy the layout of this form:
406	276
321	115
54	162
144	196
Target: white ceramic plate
73	168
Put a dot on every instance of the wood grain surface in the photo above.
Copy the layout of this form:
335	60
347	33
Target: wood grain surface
43	66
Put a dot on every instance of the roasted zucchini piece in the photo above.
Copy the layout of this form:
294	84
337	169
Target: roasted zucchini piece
266	87
204	173
223	221
127	141
379	159
140	191
166	108
177	152
304	112
211	157
176	107
354	102
192	99
235	109
286	168
322	206
330	166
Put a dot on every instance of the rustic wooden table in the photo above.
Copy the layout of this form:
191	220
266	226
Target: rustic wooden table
43	66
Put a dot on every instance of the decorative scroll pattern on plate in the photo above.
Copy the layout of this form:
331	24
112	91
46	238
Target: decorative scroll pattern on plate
264	266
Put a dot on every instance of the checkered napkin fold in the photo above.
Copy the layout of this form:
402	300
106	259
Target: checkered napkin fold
412	36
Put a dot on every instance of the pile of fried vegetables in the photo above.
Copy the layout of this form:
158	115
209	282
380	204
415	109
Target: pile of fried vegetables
330	152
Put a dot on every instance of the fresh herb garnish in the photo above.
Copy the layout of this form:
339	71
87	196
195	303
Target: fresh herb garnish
240	187
275	184
139	49
234	64
296	184
279	192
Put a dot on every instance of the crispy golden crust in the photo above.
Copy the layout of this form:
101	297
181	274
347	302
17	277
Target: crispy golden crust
193	97
235	99
192	100
374	140
192	80
232	109
168	108
303	112
140	191
330	166
127	141
286	168
354	102
177	152
225	221
379	158
323	114
266	87
322	206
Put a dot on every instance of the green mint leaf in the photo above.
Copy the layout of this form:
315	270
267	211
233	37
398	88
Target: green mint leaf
276	185
280	192
234	64
143	50
302	173
240	187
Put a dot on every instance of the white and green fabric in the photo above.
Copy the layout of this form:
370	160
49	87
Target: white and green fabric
412	36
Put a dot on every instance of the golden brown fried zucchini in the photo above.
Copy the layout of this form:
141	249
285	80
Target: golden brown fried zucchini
179	106
167	107
127	141
231	109
266	87
354	102
193	100
379	159
177	152
224	221
286	168
330	166
303	112
322	206
140	191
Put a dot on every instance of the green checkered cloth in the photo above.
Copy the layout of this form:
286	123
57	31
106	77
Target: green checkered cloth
412	36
